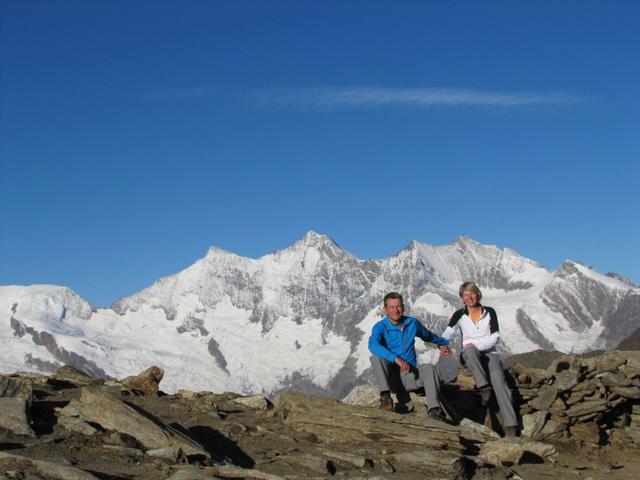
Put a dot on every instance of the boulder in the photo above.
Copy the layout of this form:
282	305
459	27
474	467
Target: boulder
104	406
16	395
364	395
172	454
75	424
147	382
508	451
51	470
586	408
73	375
467	426
256	402
588	433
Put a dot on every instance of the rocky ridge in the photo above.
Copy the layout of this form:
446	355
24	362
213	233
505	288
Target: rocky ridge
580	417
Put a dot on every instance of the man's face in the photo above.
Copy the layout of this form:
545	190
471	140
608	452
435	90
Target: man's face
394	309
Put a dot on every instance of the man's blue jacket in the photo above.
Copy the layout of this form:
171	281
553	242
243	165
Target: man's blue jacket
390	341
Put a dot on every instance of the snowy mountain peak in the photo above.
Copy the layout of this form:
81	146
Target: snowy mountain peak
313	241
301	316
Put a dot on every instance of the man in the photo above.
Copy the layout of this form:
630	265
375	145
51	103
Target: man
394	361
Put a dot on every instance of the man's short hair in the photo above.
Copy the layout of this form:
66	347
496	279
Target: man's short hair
391	295
470	287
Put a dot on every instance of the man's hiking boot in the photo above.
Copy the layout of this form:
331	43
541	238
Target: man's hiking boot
485	395
436	414
510	431
386	403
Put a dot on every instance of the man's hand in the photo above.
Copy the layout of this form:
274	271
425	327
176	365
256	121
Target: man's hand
444	350
469	345
404	366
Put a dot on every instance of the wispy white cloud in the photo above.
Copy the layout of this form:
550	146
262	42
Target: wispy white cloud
358	97
332	98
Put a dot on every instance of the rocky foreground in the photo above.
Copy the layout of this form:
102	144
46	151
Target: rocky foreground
580	419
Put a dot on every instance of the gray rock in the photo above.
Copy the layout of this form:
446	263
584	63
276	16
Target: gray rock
173	454
73	375
256	402
533	423
611	361
446	464
189	472
566	380
586	433
467	426
634	433
508	451
356	460
627	392
545	398
15	403
616	379
586	408
552	427
126	450
103	406
364	395
74	424
51	470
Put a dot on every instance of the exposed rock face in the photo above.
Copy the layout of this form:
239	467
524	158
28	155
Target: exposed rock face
15	403
102	406
87	430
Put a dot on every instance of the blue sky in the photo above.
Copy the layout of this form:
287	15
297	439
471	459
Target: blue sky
134	135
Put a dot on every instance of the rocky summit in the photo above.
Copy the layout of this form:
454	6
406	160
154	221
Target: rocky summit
580	418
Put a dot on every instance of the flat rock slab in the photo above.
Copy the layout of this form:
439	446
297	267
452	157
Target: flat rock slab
467	426
546	395
256	402
627	392
533	423
445	464
16	395
333	422
363	395
509	451
49	470
586	408
105	407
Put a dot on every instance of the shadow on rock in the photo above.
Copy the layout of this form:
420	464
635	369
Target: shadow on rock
219	446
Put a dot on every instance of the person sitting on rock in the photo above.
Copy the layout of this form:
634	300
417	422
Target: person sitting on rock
480	334
394	360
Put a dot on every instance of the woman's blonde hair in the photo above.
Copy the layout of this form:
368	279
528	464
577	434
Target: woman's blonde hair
470	287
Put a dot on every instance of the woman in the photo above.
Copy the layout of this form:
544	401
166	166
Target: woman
480	334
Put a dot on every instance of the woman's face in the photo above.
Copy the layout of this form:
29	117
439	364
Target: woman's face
470	298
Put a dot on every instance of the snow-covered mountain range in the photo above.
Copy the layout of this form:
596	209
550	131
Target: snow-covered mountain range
301	316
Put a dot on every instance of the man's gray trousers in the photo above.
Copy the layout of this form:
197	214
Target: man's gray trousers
389	378
473	359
